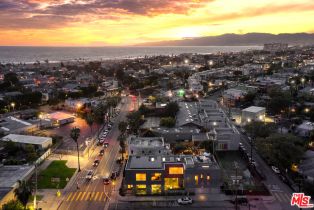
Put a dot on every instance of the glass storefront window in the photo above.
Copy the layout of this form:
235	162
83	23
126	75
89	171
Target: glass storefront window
175	170
172	183
140	177
141	189
156	177
156	188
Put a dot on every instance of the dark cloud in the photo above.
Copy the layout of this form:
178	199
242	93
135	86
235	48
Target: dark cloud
30	13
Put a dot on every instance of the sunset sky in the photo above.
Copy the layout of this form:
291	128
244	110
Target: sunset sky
128	22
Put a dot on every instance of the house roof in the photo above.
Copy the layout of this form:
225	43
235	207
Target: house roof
254	109
27	139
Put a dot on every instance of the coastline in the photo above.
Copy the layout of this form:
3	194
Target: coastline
29	55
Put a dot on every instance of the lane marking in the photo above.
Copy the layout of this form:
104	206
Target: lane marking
100	196
92	195
83	195
79	195
278	197
96	196
288	198
74	195
69	196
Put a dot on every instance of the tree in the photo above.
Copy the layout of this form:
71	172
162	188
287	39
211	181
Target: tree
13	205
280	101
11	78
75	134
260	129
134	120
168	122
171	109
30	152
90	120
249	97
283	150
122	146
122	127
23	192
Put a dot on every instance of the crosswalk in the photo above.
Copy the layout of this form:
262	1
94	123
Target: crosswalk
86	196
282	197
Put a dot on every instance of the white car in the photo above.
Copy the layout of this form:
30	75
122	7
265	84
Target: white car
275	169
185	200
89	174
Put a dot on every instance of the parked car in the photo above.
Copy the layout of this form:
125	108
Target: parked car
106	143
185	200
275	169
96	162
89	174
106	180
101	152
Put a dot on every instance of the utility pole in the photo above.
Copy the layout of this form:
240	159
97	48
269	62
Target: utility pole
35	197
236	184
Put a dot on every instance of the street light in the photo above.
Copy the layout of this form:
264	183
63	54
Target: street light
40	116
306	110
13	105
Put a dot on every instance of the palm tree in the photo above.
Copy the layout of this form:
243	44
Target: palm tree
90	120
75	134
23	192
122	127
122	145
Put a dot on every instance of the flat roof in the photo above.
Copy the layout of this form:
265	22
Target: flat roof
26	139
146	141
254	109
60	115
12	123
9	175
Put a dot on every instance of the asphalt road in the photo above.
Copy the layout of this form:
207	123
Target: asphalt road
280	191
94	194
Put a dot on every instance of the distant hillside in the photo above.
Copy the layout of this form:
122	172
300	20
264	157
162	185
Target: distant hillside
239	40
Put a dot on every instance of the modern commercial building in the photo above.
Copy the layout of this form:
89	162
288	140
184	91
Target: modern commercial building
253	113
170	174
38	141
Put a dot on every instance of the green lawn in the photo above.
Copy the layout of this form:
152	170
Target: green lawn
47	179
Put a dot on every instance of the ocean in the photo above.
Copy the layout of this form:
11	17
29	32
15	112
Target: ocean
10	54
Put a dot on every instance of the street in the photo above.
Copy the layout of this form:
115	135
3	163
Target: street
94	194
280	191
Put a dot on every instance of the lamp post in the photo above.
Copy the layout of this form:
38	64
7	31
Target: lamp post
40	116
236	184
13	105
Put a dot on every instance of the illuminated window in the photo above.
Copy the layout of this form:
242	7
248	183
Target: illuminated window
208	178
172	183
140	177
196	179
201	176
175	170
141	189
156	188
130	186
156	177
